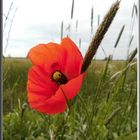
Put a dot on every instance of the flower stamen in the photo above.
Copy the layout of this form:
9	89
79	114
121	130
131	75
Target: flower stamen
59	77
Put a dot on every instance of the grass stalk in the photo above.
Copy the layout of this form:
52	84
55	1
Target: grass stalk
103	28
112	115
62	30
91	24
72	9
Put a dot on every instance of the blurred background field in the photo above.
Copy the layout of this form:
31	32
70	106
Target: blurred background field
105	108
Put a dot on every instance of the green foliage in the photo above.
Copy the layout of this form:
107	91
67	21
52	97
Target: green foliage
105	108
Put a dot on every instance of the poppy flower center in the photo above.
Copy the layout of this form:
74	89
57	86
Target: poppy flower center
59	77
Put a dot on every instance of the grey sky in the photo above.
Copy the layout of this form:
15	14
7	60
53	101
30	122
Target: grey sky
39	21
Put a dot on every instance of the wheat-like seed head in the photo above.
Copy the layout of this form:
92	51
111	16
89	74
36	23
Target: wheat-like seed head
102	29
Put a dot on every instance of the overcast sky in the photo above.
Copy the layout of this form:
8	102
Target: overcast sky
39	21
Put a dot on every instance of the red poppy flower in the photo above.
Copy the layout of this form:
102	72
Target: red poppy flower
55	76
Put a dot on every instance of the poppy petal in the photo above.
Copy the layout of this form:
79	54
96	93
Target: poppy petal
71	89
46	55
50	106
57	103
40	85
40	89
73	59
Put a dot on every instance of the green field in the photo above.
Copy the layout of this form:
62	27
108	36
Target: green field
105	108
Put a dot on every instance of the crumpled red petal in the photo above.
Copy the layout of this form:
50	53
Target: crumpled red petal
40	89
70	89
40	85
56	103
73	59
50	106
46	55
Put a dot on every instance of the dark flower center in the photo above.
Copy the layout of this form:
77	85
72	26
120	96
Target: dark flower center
59	77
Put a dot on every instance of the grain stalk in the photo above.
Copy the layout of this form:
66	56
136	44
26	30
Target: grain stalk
91	24
100	45
119	36
76	29
76	26
134	9
98	23
80	43
103	28
62	30
118	39
72	9
132	55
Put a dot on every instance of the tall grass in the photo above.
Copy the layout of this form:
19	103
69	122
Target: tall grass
14	81
92	15
76	26
105	108
80	41
72	9
131	36
119	36
62	30
118	39
98	21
